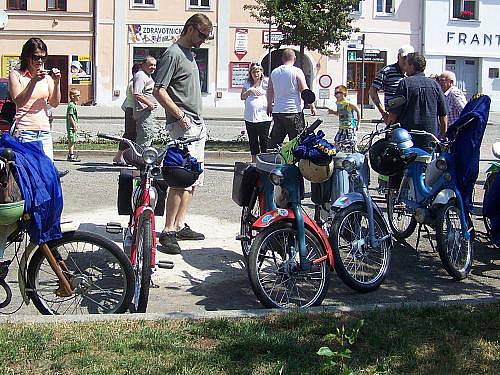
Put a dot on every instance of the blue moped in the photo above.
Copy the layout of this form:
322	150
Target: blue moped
436	190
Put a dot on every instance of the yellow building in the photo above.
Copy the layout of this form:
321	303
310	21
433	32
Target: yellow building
108	36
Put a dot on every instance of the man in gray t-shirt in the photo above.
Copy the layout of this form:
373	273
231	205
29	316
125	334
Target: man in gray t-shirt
144	102
178	90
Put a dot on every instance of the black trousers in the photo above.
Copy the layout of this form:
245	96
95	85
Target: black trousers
258	136
290	124
130	130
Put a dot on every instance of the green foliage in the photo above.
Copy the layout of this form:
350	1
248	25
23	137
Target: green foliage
319	25
342	339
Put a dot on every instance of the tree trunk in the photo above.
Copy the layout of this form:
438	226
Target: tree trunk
301	57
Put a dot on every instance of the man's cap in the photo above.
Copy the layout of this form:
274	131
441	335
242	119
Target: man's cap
405	50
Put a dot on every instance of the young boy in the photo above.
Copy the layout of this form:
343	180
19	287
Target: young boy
72	123
348	123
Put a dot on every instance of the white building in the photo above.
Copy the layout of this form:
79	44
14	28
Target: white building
463	36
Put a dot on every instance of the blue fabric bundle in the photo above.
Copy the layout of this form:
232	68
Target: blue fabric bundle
180	157
38	180
467	133
315	148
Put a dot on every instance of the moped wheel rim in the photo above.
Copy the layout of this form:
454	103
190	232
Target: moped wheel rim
458	248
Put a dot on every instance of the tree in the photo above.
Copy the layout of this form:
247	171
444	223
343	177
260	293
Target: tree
318	25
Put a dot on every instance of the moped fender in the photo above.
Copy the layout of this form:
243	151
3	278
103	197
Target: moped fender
351	198
287	214
444	196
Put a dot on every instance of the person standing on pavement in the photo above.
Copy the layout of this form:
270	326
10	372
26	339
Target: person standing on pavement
425	103
72	124
145	102
178	90
130	125
283	99
455	98
388	80
257	121
32	87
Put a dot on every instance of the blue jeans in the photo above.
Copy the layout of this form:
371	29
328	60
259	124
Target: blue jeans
38	136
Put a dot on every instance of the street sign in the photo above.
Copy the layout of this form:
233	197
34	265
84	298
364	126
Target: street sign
325	81
324	93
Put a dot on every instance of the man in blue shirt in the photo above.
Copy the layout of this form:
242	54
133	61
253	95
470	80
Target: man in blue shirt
425	107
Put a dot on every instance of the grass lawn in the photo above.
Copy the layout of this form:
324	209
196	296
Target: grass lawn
453	340
112	146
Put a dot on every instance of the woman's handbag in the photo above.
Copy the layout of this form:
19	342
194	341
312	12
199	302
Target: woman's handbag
9	189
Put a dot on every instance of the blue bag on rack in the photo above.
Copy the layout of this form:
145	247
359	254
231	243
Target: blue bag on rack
315	148
180	169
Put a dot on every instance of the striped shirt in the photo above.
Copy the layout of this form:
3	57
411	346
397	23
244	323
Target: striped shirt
388	79
456	101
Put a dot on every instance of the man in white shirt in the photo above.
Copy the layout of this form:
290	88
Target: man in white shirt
284	101
454	97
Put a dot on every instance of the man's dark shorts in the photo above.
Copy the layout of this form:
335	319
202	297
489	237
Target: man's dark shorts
290	124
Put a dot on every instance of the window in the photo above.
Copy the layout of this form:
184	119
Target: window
357	8
56	4
199	4
16	4
493	73
385	7
143	4
465	9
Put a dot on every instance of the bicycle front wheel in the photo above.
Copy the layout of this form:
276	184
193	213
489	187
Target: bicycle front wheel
100	275
142	266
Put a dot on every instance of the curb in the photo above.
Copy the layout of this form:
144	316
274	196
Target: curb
238	314
64	153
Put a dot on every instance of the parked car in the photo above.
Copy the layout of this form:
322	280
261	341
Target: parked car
4	91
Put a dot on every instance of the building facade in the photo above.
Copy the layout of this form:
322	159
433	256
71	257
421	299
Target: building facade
107	37
463	36
65	27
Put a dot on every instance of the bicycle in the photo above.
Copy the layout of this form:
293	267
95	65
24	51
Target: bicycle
79	273
139	238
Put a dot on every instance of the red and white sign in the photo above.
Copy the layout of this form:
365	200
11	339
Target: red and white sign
241	43
238	73
325	81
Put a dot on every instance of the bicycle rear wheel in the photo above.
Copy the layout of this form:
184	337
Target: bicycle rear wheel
142	266
100	275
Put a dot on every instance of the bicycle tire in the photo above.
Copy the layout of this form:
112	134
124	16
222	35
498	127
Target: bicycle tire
268	259
248	216
142	267
85	254
400	231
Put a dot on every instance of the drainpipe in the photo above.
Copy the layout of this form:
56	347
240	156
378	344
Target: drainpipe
95	51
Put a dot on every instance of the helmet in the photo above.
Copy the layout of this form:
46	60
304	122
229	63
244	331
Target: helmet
178	176
401	138
315	172
11	212
386	158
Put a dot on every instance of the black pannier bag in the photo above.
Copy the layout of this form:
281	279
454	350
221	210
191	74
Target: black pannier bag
244	180
125	188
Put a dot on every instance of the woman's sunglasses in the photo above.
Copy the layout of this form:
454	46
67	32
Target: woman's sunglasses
36	58
339	92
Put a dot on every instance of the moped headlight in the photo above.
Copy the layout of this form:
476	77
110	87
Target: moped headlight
441	164
150	155
276	178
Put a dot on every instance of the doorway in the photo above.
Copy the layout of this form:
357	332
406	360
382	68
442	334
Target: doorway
60	62
276	61
354	79
466	70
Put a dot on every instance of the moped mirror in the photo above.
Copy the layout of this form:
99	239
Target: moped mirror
308	96
396	102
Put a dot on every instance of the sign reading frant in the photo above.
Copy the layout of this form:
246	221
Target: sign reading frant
139	33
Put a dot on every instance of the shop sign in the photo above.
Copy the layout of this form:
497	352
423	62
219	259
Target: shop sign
9	62
324	93
238	72
139	33
488	40
241	43
276	36
80	70
370	56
